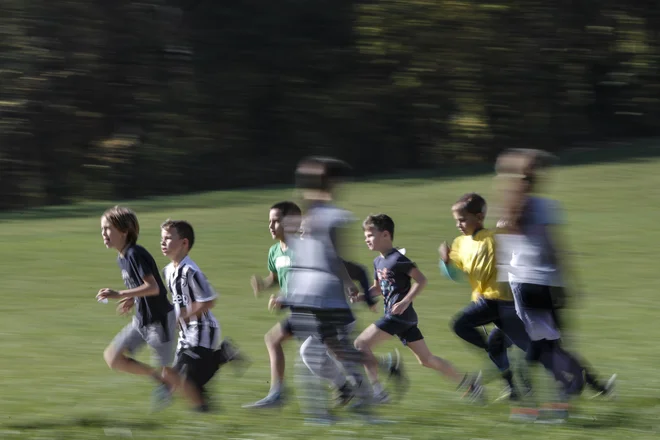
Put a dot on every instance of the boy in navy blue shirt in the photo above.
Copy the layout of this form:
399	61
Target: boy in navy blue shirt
393	276
154	322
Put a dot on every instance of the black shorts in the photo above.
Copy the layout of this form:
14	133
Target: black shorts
405	332
321	323
197	364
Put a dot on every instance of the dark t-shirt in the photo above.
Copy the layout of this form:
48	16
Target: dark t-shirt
392	271
136	264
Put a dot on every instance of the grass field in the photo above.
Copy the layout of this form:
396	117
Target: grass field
55	385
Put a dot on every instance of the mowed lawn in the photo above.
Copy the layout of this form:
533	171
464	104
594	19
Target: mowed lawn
55	385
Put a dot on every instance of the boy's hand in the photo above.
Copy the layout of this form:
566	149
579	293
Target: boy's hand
274	303
400	307
107	294
444	250
257	285
125	305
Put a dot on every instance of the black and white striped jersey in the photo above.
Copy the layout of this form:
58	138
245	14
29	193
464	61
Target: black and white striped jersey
188	285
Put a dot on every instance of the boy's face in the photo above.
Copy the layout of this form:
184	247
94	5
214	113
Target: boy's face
171	245
275	225
113	238
468	223
377	240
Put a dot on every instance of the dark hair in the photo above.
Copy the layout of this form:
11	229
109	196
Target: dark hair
320	173
125	221
183	230
287	208
471	203
382	222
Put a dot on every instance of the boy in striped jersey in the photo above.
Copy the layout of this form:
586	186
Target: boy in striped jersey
197	358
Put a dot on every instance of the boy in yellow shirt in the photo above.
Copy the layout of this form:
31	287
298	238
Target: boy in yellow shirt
473	255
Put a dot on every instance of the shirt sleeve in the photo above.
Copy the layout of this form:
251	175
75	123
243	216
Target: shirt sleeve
271	261
198	287
405	265
140	260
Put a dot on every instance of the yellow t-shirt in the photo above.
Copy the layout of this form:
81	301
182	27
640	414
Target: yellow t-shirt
475	256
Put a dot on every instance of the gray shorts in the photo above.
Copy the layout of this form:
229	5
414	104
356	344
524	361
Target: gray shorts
156	336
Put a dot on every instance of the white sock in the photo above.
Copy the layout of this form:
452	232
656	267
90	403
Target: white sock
276	387
378	388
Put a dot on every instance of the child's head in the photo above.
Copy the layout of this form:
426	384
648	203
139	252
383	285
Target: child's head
318	177
277	213
519	173
177	238
378	232
469	212
119	228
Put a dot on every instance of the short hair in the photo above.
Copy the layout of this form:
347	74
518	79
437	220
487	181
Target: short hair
524	163
287	208
183	230
471	203
382	222
320	173
125	221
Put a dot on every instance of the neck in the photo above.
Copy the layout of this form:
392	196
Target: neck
386	250
122	250
283	244
178	259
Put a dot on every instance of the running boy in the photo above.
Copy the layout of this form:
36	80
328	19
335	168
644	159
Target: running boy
393	273
473	254
154	322
535	264
279	265
196	357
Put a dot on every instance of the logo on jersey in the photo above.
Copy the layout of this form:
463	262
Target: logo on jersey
128	281
282	261
388	286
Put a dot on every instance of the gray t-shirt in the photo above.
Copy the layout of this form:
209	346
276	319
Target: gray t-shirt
315	279
530	257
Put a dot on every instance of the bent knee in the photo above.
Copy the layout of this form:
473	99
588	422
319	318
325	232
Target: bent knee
111	356
361	344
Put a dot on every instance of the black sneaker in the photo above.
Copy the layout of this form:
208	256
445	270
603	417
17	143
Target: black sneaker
394	366
229	353
343	395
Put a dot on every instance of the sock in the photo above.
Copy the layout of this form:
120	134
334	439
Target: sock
508	376
378	388
593	382
276	387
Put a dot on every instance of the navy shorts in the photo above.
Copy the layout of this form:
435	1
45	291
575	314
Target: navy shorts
405	332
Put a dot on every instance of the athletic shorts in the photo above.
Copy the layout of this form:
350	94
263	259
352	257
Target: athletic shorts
321	323
197	364
404	331
159	336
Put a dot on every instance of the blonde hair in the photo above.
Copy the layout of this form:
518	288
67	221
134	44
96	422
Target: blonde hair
125	221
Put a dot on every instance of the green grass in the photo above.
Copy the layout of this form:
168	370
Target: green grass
55	384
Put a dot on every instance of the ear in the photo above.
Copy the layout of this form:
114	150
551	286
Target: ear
481	217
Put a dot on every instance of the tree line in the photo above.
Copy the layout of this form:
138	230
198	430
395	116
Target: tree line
127	99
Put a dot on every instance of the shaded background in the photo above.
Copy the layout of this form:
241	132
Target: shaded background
127	99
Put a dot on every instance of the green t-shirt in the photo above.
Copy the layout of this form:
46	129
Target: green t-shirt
279	262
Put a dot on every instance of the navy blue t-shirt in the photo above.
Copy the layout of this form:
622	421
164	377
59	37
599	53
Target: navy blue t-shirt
136	264
392	271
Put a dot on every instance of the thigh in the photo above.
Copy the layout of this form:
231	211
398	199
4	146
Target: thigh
129	339
512	326
479	313
374	334
410	335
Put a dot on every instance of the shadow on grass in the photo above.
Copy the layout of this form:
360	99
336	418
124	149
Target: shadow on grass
613	152
84	422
